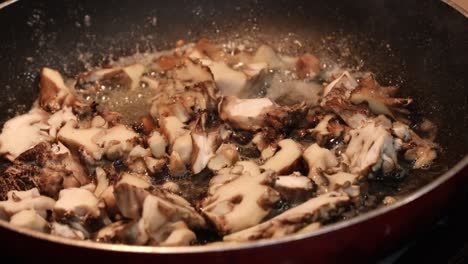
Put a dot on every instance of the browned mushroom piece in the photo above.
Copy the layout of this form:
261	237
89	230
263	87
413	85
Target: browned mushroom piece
189	93
336	98
253	114
53	93
378	97
292	220
238	199
49	168
422	152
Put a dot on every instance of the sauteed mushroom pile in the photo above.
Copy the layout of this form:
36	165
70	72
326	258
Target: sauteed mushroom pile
205	143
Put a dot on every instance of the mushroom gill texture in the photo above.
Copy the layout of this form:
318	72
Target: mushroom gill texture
46	167
371	149
239	198
378	97
208	143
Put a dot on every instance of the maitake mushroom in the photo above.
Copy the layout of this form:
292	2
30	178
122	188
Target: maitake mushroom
239	198
293	220
254	114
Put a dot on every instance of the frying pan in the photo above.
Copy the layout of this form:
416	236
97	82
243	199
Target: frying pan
418	45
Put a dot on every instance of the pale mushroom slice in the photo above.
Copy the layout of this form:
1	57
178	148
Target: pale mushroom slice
318	160
343	181
157	144
117	141
285	160
77	205
294	188
25	200
64	230
24	132
59	118
204	146
82	140
158	212
253	114
30	219
239	200
96	141
292	220
371	149
53	93
167	221
226	155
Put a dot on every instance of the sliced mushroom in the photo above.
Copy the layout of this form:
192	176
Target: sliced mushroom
30	219
58	119
292	220
76	205
226	155
94	142
319	159
343	181
25	200
240	201
157	143
203	149
285	160
253	114
117	142
53	93
23	132
294	188
66	231
371	149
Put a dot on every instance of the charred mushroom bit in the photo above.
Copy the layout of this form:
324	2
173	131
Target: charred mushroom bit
239	142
